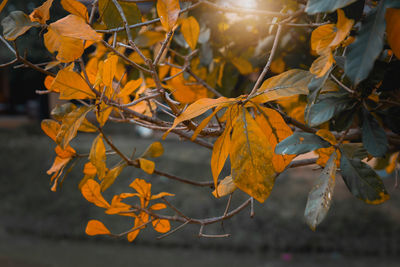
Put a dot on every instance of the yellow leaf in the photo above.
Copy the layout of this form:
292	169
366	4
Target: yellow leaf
278	65
147	165
97	156
87	127
103	113
242	65
130	87
204	123
343	27
161	225
95	227
251	158
51	128
191	30
393	29
70	125
91	192
42	13
71	85
109	70
323	63
155	150
198	108
222	146
76	8
225	187
289	83
322	37
110	177
276	130
3	4
168	11
66	36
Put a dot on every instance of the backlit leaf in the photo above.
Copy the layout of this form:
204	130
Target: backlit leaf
76	8
191	30
322	37
110	177
292	82
243	65
71	85
168	11
42	14
300	143
362	181
95	227
91	191
16	24
343	27
204	123
320	197
251	158
323	63
97	156
225	187
51	128
70	125
318	6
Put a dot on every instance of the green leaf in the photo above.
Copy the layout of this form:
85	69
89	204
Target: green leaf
367	47
320	197
16	24
300	143
373	136
327	108
354	150
362	181
318	6
70	125
111	17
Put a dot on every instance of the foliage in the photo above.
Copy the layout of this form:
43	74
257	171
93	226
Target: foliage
184	59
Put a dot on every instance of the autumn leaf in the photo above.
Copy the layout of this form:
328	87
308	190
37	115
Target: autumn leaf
110	177
168	11
3	4
16	24
158	206
97	156
155	150
146	165
91	192
51	128
225	187
71	85
343	27
323	63
278	65
276	130
70	125
322	37
393	29
325	153
109	70
41	14
191	30
76	8
243	65
198	108
204	123
161	225
95	227
130	87
103	113
144	190
251	158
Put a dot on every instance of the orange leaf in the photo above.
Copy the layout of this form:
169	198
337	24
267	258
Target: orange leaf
191	30
91	191
251	158
89	169
278	65
204	123
97	156
225	187
147	165
161	225
109	70
3	4
276	130
103	113
68	152
71	85
58	164
76	8
48	82
51	128
130	87
95	227
322	37
198	108
168	11
323	63
110	177
155	150
42	13
144	190
393	29
243	65
343	27
160	195
158	206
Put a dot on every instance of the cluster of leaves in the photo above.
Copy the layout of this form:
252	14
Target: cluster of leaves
341	106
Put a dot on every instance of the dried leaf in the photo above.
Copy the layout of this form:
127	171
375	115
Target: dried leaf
42	14
16	24
225	187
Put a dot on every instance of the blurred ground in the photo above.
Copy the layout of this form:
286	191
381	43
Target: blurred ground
41	228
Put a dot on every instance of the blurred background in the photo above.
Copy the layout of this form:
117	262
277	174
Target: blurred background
42	228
